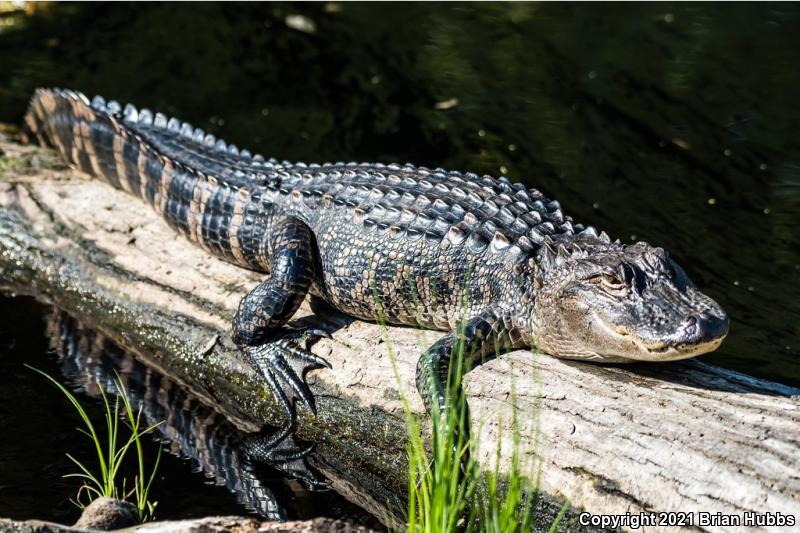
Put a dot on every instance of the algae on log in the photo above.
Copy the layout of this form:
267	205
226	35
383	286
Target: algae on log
683	436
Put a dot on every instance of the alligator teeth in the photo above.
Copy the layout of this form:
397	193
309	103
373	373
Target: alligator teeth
130	113
146	117
209	140
198	135
174	124
113	107
220	145
98	102
187	129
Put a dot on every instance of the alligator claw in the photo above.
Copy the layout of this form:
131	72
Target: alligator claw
284	363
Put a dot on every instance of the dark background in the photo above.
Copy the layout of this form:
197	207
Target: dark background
672	123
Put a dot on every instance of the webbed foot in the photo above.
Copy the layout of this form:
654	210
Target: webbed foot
284	361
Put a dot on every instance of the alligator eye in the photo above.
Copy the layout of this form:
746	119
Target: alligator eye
612	283
609	282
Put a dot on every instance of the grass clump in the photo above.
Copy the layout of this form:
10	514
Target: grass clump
111	450
448	493
446	496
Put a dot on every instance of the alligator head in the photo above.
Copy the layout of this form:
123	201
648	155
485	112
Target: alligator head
612	302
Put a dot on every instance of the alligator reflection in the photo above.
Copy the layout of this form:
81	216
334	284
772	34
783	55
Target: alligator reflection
194	429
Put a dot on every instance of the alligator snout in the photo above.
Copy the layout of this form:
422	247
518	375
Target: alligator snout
704	327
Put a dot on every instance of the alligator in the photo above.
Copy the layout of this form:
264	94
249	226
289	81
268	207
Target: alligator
496	264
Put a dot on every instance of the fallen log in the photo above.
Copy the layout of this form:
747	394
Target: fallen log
679	437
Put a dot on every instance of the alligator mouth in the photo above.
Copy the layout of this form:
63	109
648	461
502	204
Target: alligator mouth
675	352
697	336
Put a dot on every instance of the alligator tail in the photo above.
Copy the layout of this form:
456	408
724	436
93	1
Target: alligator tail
198	184
96	141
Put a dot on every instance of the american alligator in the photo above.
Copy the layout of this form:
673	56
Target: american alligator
496	264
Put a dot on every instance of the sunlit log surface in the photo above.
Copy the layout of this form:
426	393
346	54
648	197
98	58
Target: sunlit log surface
683	436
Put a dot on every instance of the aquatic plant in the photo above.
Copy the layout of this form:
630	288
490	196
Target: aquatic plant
112	451
141	484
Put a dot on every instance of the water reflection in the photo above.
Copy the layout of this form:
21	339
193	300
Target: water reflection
192	429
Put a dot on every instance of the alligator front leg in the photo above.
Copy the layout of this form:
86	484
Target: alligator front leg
476	341
282	354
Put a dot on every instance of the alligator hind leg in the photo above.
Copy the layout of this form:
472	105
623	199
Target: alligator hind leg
281	354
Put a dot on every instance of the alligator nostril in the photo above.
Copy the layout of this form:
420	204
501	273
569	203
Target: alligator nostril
704	326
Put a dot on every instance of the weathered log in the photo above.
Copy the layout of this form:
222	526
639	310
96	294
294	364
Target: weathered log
684	436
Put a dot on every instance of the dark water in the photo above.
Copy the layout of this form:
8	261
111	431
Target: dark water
672	123
203	469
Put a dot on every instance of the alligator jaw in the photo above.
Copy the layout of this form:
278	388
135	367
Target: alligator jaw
700	336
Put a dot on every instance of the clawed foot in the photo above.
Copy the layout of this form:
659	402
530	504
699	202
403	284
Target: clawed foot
281	452
284	361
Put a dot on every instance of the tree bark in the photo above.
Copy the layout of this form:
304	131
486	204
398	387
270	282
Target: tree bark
685	437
